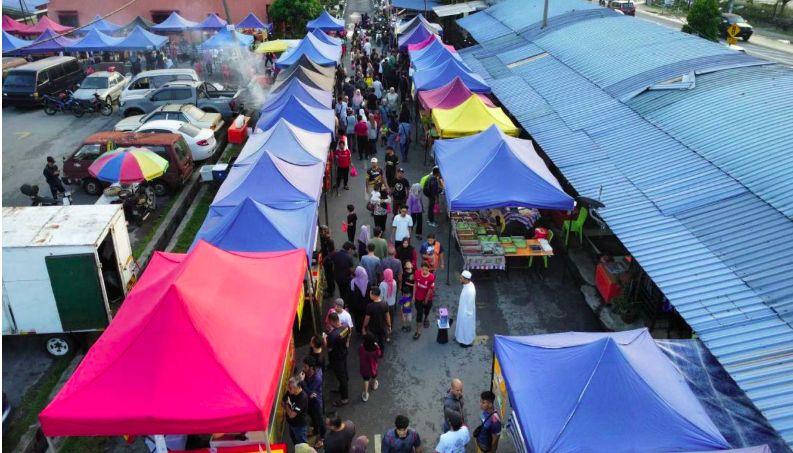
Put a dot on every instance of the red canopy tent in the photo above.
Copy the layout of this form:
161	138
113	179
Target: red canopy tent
42	25
449	96
197	347
12	26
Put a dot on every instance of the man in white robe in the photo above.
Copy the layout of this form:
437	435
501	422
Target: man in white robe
466	312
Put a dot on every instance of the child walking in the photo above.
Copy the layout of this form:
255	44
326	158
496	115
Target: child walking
406	302
352	222
368	353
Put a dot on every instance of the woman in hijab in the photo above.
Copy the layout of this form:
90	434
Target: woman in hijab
359	445
359	295
406	253
415	207
357	100
363	240
388	291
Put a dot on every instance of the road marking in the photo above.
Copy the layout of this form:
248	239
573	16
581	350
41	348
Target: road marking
23	135
377	443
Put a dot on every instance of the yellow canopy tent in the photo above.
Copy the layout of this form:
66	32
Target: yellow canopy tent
471	117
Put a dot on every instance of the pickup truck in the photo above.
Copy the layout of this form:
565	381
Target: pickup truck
201	94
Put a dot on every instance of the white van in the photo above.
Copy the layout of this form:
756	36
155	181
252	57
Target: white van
146	81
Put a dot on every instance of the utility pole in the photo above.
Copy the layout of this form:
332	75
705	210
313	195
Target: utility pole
544	14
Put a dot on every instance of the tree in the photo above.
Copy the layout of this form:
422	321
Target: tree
703	19
293	15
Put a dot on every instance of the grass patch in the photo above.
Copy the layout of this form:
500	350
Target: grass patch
144	241
32	403
194	223
84	445
230	154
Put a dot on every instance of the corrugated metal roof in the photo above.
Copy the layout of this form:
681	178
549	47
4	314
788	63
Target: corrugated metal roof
459	8
415	5
696	181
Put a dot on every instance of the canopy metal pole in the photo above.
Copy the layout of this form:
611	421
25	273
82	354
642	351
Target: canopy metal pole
267	440
159	443
449	251
51	445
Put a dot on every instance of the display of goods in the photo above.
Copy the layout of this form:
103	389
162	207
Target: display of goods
510	249
505	240
481	230
469	242
472	250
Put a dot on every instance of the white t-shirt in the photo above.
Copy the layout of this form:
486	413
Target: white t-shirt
378	88
345	319
367	48
402	225
454	441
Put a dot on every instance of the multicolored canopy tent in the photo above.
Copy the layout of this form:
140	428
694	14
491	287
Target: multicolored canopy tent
325	22
137	22
300	114
251	21
322	53
269	180
433	46
428	41
174	23
45	24
311	96
48	42
211	22
326	38
256	227
417	20
305	62
100	24
415	36
433	55
493	170
288	142
471	117
599	392
174	349
96	41
225	40
12	26
438	76
449	96
11	43
140	39
308	77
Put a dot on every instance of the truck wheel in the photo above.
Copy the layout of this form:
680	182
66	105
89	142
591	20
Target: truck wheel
160	188
58	345
92	187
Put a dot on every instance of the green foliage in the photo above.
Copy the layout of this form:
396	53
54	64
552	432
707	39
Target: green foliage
291	15
703	19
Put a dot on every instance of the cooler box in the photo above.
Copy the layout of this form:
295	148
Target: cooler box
219	172
237	135
206	173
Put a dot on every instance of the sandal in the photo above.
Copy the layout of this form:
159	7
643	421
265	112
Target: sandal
416	335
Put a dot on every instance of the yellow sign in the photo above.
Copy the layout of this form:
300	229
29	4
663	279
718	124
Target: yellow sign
731	41
300	302
733	30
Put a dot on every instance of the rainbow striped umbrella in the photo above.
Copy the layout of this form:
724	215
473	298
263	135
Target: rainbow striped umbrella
128	165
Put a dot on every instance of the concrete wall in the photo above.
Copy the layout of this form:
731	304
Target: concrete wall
195	10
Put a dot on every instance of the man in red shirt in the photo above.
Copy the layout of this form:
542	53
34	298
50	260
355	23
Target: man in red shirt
343	158
423	291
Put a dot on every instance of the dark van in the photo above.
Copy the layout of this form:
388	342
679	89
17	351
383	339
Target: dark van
171	147
25	85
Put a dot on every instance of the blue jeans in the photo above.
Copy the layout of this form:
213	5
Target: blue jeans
403	149
299	434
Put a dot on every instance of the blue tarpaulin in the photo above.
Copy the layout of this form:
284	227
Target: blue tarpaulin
140	39
251	21
309	95
174	23
302	115
11	43
46	44
103	25
415	36
225	40
322	53
212	22
96	41
492	169
416	5
137	22
271	181
325	22
288	142
256	227
308	77
438	76
327	39
601	392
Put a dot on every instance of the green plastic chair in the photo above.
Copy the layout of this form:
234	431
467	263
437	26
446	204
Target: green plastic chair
544	258
576	226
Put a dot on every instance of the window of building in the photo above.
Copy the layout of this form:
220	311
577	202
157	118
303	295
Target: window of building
68	18
159	16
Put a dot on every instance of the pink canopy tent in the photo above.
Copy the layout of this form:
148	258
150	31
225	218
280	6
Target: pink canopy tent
12	26
427	42
197	347
449	96
42	25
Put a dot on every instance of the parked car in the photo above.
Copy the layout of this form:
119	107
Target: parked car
10	63
25	85
727	20
201	94
145	81
626	8
170	146
202	142
178	112
108	85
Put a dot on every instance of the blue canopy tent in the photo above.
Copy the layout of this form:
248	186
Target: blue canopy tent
325	22
300	114
48	42
103	25
326	38
212	22
409	25
309	95
256	227
140	39
271	181
305	62
433	55
306	76
225	40
438	76
288	142
598	392
137	22
96	41
174	23
11	43
322	53
416	5
251	21
416	36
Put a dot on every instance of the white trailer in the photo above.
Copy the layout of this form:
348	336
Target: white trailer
63	269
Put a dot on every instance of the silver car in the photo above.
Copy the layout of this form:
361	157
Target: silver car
180	112
108	85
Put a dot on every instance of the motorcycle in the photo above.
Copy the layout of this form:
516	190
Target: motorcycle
65	101
32	191
138	200
97	104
